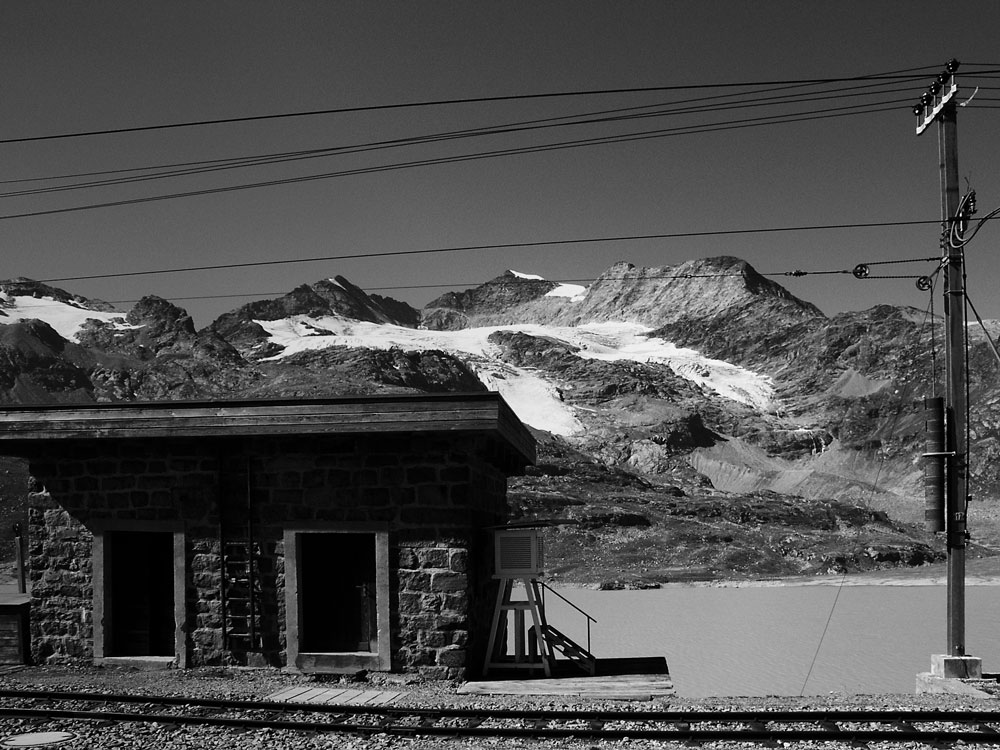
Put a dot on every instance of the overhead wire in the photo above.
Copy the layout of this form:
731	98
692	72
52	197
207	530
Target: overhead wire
602	140
248	162
566	281
673	104
578	119
189	168
907	74
634	112
659	109
873	489
967	236
492	246
903	399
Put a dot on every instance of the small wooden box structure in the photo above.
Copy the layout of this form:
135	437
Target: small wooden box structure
14	632
519	553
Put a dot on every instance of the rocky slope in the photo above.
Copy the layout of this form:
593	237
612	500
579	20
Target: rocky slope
696	421
615	528
696	290
336	296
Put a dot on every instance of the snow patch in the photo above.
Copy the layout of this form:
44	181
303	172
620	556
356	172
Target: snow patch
853	384
535	400
67	320
574	292
616	341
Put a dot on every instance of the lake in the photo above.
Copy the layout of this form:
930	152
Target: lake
761	640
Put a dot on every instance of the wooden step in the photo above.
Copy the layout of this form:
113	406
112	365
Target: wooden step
570	649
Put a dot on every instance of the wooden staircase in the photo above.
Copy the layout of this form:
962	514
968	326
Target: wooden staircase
577	654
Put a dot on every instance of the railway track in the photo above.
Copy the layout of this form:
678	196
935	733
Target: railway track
932	727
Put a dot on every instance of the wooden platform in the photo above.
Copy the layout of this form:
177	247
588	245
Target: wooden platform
616	679
334	696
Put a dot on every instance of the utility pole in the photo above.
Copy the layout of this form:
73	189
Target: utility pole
938	104
956	489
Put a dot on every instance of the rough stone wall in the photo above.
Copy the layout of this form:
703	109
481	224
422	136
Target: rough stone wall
59	561
436	495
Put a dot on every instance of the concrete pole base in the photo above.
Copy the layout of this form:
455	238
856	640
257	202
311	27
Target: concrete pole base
954	675
962	667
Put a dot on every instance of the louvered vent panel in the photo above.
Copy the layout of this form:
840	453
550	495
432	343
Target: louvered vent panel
518	553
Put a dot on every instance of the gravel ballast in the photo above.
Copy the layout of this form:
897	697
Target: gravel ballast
255	684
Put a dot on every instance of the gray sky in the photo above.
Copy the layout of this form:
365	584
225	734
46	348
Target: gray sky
75	67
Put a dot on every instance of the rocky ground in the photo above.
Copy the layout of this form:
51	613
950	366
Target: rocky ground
609	527
255	684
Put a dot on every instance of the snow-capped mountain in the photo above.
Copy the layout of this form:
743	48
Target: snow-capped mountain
23	299
701	377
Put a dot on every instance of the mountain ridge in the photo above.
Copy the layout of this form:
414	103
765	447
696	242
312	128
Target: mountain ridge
704	379
652	296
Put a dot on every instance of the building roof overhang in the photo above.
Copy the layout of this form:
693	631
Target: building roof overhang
26	426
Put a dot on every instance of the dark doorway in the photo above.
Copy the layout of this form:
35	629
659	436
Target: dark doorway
337	593
142	593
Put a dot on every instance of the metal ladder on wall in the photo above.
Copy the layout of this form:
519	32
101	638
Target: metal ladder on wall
241	580
240	596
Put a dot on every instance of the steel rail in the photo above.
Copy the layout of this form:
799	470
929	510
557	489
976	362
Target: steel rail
934	737
661	725
692	716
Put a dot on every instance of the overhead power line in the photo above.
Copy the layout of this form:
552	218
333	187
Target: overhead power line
779	95
577	281
673	107
910	74
648	277
473	284
594	141
616	115
496	246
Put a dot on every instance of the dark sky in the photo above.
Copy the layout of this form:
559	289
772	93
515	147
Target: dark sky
73	67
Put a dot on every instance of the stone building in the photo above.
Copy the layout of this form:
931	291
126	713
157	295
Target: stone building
329	535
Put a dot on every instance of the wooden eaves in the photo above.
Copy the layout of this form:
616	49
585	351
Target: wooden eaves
483	413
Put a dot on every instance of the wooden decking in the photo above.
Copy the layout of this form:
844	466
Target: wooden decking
616	679
338	696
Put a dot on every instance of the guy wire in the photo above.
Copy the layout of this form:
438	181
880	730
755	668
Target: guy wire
928	315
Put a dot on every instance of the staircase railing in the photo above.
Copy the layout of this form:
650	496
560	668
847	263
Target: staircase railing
546	587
